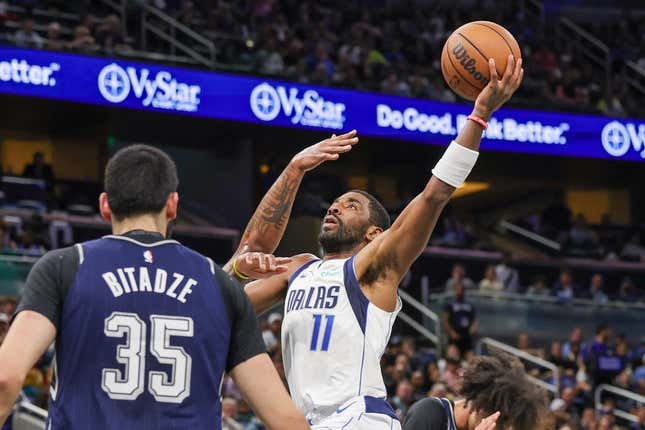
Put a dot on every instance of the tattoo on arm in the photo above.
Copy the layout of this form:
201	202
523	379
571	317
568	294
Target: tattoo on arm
270	218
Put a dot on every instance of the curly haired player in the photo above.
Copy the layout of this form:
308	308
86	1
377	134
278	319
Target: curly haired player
495	387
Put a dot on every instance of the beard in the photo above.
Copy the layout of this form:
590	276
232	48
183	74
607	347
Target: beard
342	239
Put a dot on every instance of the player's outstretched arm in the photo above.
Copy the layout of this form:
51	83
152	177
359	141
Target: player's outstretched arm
268	292
267	225
388	257
27	340
262	388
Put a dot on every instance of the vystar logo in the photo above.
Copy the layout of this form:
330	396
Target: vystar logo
309	109
617	138
161	91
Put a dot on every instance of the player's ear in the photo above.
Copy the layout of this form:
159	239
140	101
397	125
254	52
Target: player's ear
372	232
171	206
104	207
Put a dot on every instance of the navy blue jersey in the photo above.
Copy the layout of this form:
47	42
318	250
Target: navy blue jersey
431	413
146	329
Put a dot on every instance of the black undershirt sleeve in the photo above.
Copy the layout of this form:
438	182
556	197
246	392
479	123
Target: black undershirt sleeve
48	283
246	338
426	414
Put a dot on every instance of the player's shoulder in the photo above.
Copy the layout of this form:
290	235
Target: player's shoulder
299	263
301	259
57	258
428	413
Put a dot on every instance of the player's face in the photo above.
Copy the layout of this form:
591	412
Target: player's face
345	223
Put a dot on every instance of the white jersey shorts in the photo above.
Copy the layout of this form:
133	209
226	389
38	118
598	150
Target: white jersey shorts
361	413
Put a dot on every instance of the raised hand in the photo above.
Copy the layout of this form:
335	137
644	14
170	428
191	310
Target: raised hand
328	149
498	91
257	265
488	423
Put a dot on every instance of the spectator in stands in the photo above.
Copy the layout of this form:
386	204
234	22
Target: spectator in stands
403	399
543	59
27	37
524	344
596	292
580	235
83	40
451	375
269	58
109	36
460	320
459	277
229	415
627	292
633	249
8	305
271	335
454	233
640	412
571	348
38	169
602	362
432	374
507	275
393	85
5	237
418	385
564	408
54	41
89	21
564	289
538	287
490	281
588	420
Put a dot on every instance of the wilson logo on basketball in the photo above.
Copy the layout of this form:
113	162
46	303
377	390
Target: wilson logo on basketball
468	63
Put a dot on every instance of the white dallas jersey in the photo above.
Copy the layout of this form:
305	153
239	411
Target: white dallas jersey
332	338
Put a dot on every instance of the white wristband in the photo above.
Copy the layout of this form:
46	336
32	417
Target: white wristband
455	165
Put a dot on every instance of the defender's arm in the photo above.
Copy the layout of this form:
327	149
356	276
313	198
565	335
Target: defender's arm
268	292
29	337
389	256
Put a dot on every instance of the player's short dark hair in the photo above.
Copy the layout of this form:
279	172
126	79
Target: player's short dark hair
499	383
138	180
378	214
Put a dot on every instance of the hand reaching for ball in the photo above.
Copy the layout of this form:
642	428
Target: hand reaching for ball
498	91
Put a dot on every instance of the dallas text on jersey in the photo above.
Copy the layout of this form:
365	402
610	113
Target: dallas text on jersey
317	298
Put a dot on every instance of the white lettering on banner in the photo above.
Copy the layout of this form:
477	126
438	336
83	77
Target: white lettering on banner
506	129
161	91
310	109
21	72
617	138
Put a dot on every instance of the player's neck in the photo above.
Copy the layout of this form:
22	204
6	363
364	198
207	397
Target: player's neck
338	255
152	223
461	414
343	253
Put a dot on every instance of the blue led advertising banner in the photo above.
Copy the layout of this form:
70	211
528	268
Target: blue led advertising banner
152	87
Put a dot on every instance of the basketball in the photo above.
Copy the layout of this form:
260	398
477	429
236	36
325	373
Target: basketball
464	59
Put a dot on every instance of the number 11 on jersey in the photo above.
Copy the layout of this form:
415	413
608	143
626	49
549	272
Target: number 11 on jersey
329	324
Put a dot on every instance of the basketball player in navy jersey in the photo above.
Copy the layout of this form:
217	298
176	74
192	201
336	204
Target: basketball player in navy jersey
339	310
495	387
144	327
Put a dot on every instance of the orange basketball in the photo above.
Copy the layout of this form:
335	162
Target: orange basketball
464	59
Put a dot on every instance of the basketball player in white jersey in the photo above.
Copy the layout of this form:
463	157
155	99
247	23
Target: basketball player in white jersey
339	310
